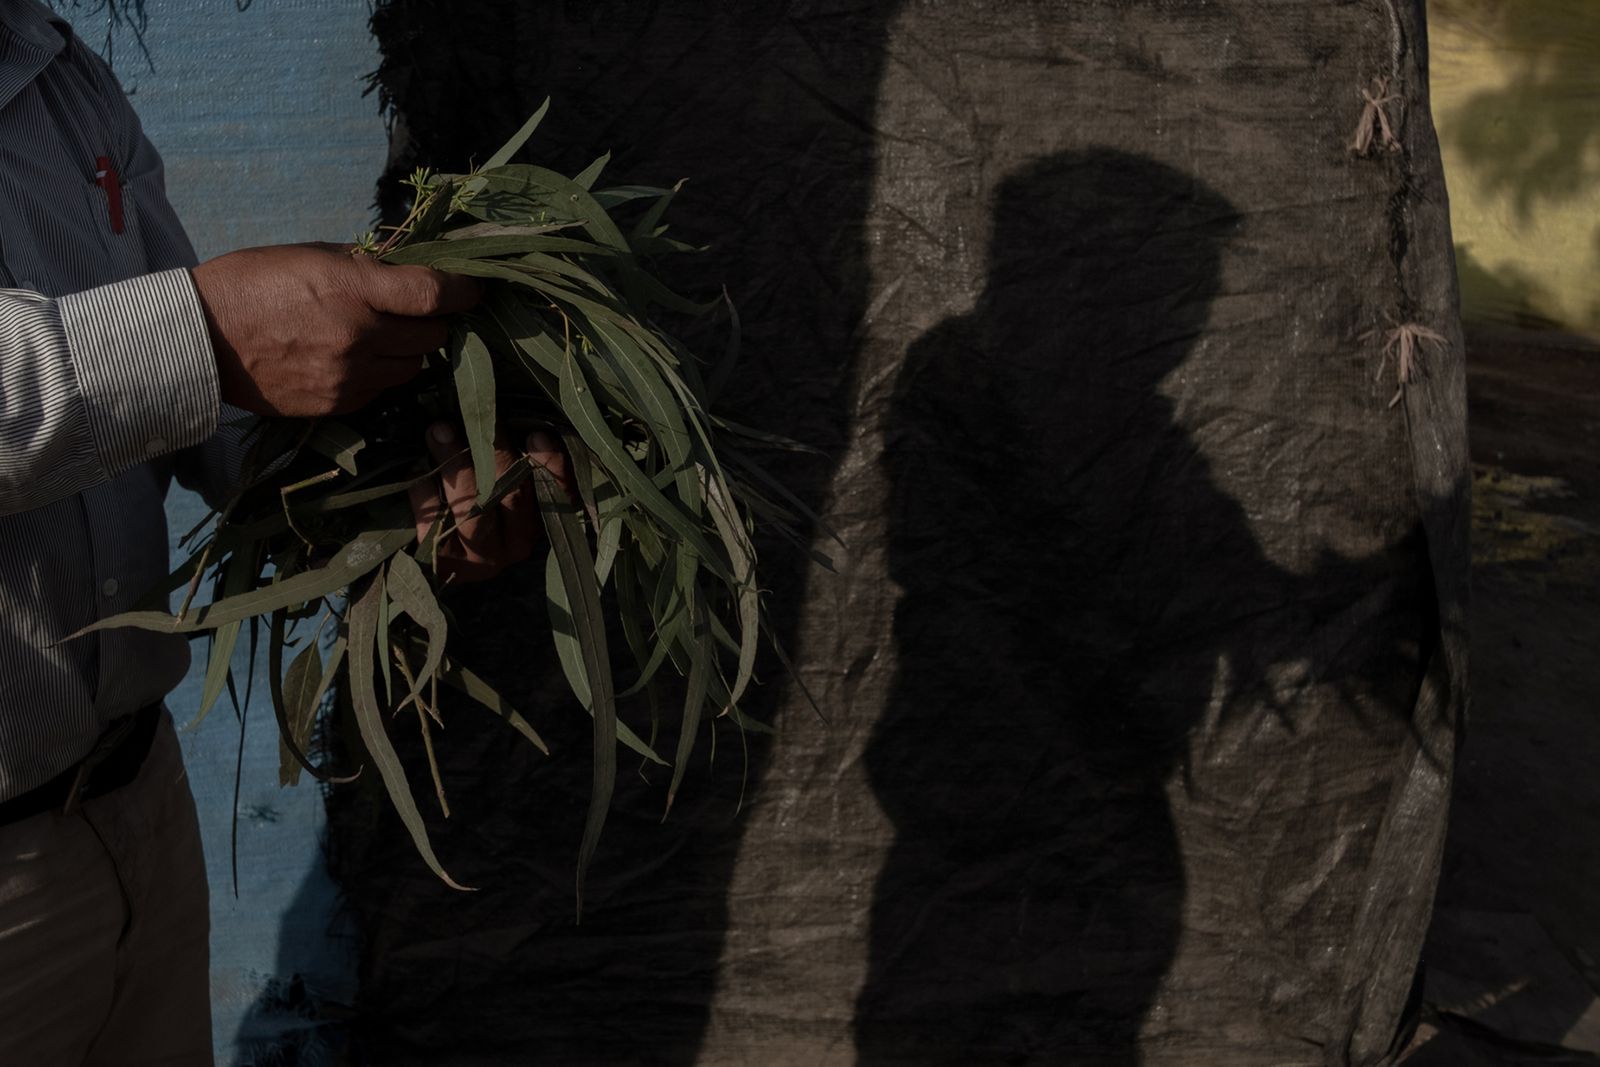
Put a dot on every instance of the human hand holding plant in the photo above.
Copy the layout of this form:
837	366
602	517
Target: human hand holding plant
347	529
474	545
310	330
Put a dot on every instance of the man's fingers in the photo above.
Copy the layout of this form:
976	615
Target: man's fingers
291	326
426	506
518	511
483	544
543	449
456	479
417	291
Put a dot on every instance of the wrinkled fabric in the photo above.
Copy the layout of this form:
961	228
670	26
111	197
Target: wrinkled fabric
1141	669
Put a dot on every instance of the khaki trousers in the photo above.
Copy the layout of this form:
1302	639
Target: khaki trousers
104	928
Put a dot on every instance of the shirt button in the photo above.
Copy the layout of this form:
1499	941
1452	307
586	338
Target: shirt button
155	446
110	587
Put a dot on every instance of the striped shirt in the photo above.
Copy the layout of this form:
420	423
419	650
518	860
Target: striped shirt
107	385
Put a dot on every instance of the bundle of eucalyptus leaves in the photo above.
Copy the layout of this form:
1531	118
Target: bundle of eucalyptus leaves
320	547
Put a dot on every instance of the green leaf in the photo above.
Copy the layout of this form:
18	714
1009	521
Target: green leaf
363	623
294	732
581	468
529	331
326	505
654	383
338	442
652	218
361	556
539	353
219	668
485	694
591	173
632	611
654	402
490	230
330	674
569	652
578	402
568	272
618	195
647	541
657	245
548	283
296	696
474	378
575	567
743	553
651	290
503	154
667	603
436	212
702	664
610	526
411	593
667	609
541	346
237	575
385	616
513	476
514	191
492	239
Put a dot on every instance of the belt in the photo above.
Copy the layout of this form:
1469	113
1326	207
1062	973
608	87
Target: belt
112	763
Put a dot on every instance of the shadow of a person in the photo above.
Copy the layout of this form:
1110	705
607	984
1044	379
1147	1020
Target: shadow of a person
1077	591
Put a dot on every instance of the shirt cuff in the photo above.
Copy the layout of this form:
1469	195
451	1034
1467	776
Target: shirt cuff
145	366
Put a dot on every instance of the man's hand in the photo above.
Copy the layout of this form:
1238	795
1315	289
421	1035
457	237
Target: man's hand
309	330
481	546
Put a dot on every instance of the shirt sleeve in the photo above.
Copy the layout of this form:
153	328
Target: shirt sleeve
96	382
212	468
